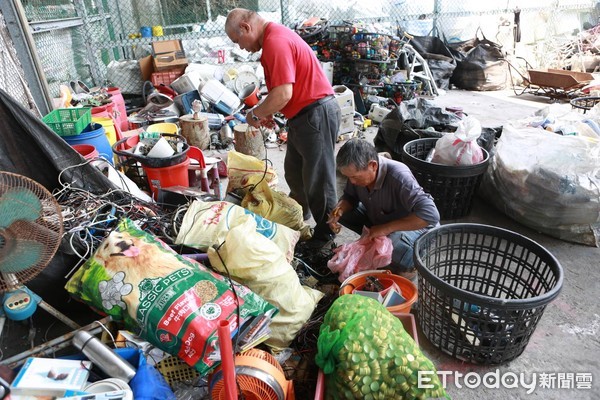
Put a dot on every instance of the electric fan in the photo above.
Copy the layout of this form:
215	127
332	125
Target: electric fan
31	228
259	377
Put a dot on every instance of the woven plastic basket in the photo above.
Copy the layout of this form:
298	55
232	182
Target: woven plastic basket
68	121
174	370
452	187
482	290
584	103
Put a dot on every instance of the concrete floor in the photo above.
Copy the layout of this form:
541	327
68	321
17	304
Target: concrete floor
566	339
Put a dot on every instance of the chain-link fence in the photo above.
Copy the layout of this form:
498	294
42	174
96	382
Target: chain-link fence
11	73
92	39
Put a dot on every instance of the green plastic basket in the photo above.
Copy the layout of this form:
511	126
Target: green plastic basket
68	121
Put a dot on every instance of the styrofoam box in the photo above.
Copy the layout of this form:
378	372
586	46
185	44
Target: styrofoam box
344	96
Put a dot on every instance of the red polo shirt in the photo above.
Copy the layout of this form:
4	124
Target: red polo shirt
286	58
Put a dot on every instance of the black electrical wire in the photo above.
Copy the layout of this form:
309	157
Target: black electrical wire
237	302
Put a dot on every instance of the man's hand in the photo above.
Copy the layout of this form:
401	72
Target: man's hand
255	123
268	122
334	217
378	230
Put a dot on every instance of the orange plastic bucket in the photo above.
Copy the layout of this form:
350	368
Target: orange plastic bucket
175	175
387	279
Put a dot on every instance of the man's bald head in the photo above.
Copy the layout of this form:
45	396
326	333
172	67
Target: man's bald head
246	28
237	16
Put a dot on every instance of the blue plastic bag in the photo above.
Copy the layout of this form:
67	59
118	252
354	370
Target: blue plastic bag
148	383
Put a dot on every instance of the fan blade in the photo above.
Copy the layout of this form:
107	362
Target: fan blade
18	204
19	255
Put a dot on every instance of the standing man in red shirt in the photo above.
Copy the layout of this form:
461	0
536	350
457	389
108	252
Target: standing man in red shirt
299	89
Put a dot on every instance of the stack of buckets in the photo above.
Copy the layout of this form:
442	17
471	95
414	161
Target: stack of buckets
174	175
167	175
107	123
93	135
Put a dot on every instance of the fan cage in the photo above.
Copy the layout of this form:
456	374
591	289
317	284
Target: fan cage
258	375
47	229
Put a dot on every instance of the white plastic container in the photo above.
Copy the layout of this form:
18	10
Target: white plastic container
224	99
344	96
187	82
377	113
328	69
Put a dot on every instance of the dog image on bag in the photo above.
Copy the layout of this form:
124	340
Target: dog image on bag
129	260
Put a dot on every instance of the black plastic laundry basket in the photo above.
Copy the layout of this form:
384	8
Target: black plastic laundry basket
452	187
482	290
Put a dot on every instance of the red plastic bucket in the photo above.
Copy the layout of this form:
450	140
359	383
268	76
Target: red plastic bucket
87	151
105	110
175	175
249	95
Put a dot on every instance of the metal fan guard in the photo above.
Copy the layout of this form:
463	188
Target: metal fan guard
253	379
47	229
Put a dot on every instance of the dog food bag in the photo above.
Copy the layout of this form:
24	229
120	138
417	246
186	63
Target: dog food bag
206	223
172	302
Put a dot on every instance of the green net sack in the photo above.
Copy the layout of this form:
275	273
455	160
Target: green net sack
171	301
366	354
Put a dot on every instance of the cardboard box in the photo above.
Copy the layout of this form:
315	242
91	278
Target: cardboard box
147	68
168	54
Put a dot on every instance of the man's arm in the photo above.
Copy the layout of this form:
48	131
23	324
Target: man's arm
277	98
409	223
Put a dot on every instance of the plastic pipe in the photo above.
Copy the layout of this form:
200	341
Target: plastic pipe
227	365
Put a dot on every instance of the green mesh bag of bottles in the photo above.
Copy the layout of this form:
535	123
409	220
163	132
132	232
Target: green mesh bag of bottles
366	354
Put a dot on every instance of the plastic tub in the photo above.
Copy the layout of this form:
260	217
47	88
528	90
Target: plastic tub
482	290
163	127
358	280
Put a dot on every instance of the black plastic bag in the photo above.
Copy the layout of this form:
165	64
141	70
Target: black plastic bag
414	119
410	121
438	56
480	65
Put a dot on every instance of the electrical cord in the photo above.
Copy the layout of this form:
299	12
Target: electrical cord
237	302
266	160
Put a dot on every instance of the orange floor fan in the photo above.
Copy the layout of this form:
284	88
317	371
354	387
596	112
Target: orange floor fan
259	377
